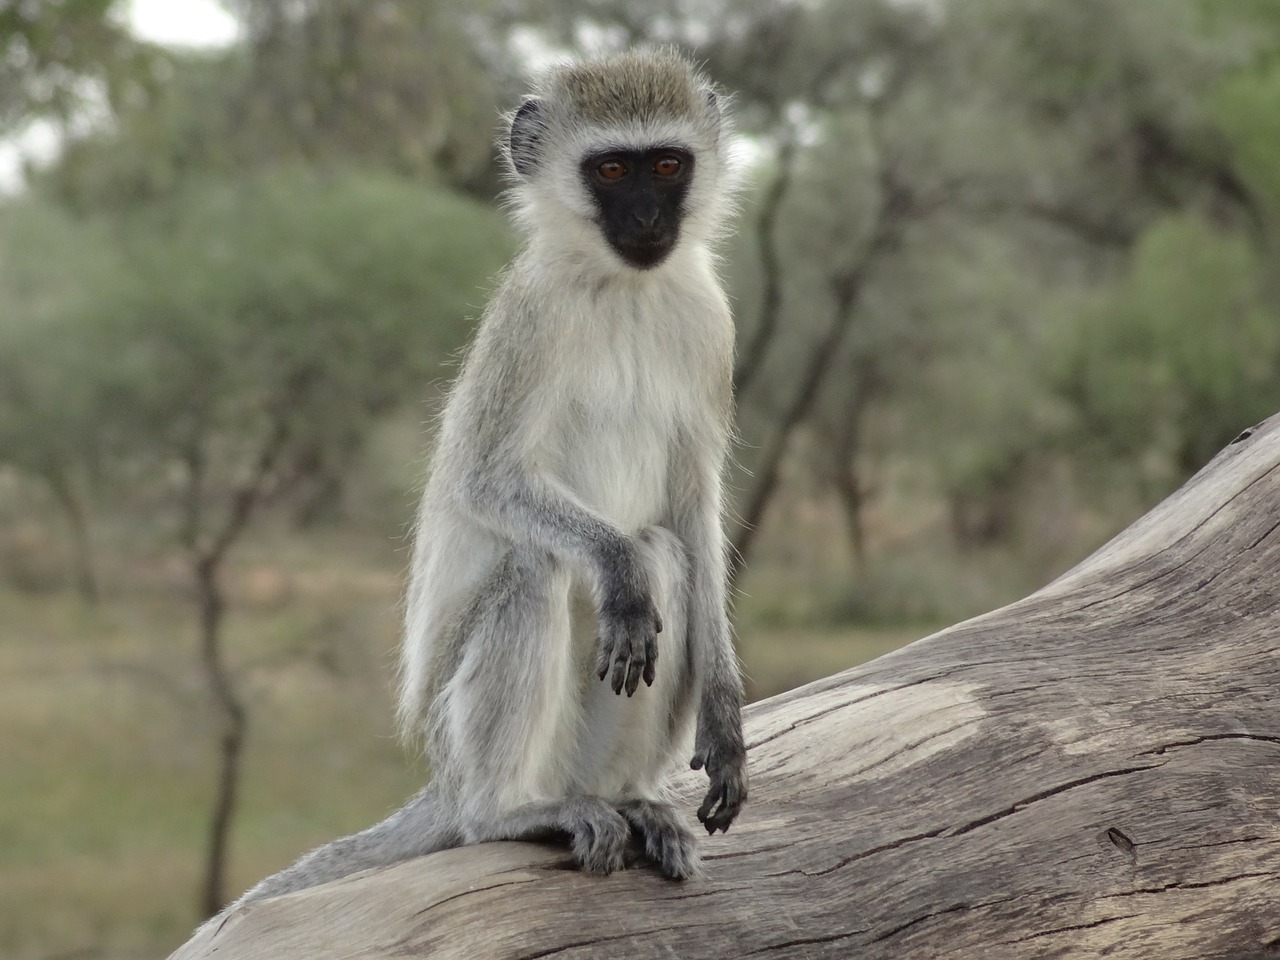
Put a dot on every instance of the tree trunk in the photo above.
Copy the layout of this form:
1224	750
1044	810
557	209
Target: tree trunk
231	718
1092	771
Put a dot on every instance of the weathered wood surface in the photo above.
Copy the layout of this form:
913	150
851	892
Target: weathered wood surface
1092	771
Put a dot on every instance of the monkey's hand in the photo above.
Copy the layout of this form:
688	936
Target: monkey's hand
718	746
629	628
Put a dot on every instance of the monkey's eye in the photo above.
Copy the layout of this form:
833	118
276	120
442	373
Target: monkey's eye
612	170
666	166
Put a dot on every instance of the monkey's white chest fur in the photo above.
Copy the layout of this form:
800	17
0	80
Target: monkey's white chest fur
614	414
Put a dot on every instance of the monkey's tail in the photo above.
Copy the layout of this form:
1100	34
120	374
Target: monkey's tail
421	826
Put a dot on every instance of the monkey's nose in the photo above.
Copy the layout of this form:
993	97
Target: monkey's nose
646	218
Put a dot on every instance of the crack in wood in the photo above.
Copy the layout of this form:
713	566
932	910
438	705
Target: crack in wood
1273	529
754	851
593	941
562	947
469	891
1166	572
1196	741
892	845
1194	884
1044	795
915	921
831	938
1074	927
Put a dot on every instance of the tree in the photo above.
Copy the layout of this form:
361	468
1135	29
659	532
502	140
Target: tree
55	57
390	85
1182	351
49	426
253	334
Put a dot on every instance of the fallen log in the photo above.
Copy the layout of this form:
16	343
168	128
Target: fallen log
1091	771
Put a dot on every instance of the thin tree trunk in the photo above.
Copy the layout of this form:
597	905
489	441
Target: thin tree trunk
768	470
232	723
207	555
753	354
847	287
848	485
847	462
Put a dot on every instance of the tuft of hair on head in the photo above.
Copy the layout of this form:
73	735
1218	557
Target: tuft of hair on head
644	84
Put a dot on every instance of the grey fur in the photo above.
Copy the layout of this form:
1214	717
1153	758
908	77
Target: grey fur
566	633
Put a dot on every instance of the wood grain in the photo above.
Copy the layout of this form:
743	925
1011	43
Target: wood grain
1091	771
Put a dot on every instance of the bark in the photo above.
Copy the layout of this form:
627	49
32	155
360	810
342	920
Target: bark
1091	771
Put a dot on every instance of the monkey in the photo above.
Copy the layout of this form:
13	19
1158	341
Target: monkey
566	631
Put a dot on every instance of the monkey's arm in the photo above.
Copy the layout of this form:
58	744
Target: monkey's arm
502	488
718	745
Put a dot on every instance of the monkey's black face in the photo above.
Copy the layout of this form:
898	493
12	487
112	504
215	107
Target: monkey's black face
640	195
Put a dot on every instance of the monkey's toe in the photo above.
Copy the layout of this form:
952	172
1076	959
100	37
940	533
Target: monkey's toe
667	841
600	841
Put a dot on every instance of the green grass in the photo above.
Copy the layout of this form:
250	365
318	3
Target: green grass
107	742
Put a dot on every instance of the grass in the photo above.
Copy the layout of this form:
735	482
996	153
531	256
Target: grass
107	745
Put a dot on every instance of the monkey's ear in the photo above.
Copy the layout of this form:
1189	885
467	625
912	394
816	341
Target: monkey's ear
526	138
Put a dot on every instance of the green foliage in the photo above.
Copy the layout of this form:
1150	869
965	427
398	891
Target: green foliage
52	53
391	85
1248	110
1180	354
53	269
292	304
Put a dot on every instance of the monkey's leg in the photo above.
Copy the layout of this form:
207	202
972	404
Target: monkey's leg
667	841
597	832
510	715
626	746
718	742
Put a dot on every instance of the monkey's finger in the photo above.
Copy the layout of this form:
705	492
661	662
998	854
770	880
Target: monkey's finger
698	760
704	811
735	795
657	623
603	659
730	803
633	674
650	658
619	673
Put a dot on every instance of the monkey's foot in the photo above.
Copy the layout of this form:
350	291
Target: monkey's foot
598	836
667	841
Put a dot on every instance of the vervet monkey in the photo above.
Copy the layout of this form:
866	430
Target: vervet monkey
566	628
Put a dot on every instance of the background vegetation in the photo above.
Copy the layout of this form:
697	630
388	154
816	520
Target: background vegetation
1006	273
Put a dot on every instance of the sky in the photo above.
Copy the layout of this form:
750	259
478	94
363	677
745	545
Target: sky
182	22
199	23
